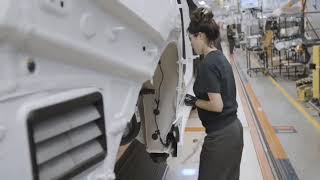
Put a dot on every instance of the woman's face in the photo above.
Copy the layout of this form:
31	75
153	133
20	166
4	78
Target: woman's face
196	43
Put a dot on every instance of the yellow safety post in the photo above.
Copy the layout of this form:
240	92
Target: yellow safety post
316	72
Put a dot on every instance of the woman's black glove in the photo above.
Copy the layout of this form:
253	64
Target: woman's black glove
190	100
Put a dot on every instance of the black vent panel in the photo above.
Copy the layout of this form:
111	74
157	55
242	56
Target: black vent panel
67	138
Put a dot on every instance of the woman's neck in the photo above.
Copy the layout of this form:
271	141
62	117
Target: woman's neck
208	50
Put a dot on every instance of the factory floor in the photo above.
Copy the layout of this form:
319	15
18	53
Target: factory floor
280	102
291	130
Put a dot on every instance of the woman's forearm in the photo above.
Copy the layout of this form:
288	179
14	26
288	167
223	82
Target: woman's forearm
208	105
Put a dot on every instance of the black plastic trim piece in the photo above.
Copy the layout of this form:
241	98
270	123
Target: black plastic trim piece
133	131
183	33
136	164
44	113
145	91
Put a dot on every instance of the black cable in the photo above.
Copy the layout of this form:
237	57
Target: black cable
162	77
156	111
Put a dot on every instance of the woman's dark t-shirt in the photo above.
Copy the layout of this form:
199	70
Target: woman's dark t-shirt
215	75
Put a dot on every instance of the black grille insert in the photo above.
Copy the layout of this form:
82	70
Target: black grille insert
67	138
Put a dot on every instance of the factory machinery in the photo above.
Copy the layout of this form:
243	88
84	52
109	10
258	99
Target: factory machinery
282	42
282	39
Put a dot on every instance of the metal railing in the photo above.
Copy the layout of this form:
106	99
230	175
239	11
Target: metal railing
310	28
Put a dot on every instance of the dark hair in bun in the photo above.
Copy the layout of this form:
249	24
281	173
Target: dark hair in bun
202	21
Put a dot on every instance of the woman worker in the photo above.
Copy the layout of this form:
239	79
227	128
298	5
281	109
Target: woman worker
231	39
216	103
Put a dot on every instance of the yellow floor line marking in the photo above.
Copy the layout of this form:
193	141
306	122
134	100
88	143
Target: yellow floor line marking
296	104
194	129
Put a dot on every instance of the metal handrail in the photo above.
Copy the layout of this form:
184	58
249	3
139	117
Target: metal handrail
312	28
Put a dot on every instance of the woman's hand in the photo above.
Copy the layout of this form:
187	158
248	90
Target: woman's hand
190	100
